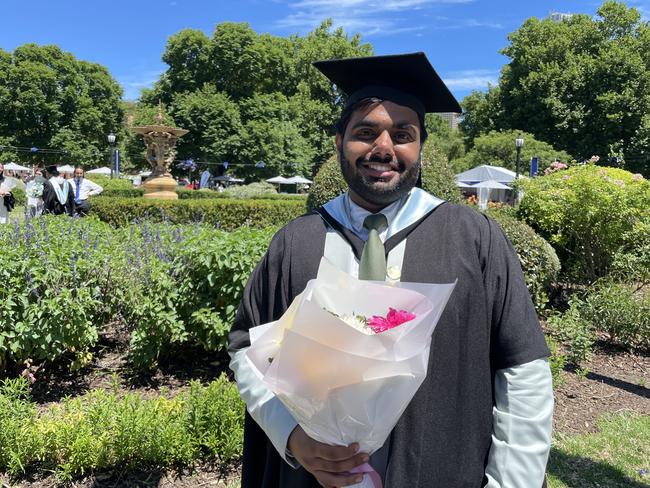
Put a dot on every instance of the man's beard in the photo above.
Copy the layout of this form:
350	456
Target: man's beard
379	192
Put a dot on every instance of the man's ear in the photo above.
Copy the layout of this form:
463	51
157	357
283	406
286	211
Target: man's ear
339	142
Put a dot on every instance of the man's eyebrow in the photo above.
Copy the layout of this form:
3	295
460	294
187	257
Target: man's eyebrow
402	124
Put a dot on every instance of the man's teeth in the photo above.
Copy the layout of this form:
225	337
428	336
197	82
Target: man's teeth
380	167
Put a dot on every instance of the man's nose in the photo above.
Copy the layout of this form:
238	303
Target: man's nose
383	148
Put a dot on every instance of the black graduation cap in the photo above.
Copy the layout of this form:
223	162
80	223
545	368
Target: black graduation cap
406	79
53	170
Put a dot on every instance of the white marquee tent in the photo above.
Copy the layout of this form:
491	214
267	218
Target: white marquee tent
100	171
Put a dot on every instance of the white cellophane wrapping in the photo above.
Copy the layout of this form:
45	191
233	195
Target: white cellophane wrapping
341	384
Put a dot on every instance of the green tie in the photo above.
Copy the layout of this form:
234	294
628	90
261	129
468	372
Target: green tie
373	257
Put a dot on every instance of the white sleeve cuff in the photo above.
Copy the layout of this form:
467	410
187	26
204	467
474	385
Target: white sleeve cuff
265	408
522	424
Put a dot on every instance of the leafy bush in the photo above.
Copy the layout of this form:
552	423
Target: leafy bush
61	279
437	179
576	334
227	214
52	281
438	176
252	190
631	261
556	361
587	213
538	260
621	310
104	430
328	184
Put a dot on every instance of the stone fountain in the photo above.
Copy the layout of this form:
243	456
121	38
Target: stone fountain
160	140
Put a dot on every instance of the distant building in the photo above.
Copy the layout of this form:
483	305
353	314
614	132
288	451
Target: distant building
559	16
452	119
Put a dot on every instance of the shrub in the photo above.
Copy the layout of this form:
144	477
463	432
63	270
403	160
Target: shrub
252	190
538	260
587	213
631	261
63	278
621	310
437	179
556	360
227	214
438	176
328	184
576	334
104	430
53	278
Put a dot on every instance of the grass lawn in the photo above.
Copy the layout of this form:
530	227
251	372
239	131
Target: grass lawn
618	455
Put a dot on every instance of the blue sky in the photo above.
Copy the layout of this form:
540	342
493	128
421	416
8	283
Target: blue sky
461	37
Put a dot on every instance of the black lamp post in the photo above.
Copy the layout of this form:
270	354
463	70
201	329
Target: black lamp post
519	143
111	141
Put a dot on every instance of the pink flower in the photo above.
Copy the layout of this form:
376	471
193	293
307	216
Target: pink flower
393	319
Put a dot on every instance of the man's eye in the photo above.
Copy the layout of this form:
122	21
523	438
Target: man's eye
364	133
403	137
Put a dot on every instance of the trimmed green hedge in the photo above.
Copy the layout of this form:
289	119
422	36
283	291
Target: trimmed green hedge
538	259
226	214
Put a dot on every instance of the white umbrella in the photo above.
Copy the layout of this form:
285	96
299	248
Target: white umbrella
16	167
99	171
279	180
485	188
492	185
298	180
66	168
485	173
228	179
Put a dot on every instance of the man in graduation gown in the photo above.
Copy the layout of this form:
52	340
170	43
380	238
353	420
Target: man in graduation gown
482	417
58	197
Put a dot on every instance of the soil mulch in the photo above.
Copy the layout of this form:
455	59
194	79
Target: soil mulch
616	381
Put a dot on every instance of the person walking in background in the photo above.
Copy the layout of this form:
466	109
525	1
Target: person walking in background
7	200
34	191
82	189
58	197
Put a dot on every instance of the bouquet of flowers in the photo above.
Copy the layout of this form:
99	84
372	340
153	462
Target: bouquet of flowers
34	189
348	355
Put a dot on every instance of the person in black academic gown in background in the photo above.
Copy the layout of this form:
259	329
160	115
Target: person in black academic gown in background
58	197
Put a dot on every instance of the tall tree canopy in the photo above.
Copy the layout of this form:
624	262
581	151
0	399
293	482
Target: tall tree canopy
582	85
248	98
49	99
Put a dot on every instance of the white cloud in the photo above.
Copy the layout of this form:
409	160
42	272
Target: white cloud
477	79
371	17
133	84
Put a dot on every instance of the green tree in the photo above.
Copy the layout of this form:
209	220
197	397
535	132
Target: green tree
213	121
49	99
287	108
481	114
269	135
447	140
583	84
497	148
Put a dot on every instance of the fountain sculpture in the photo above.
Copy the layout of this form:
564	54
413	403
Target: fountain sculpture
160	140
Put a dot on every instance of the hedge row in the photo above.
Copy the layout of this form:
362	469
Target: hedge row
226	214
103	430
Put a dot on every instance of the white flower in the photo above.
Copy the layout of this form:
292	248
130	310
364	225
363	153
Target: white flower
358	322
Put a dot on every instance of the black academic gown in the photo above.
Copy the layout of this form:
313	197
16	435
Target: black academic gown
443	438
51	204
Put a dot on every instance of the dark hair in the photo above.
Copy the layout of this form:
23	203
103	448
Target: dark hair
344	119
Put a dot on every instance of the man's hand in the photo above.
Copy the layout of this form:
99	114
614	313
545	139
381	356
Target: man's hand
330	465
